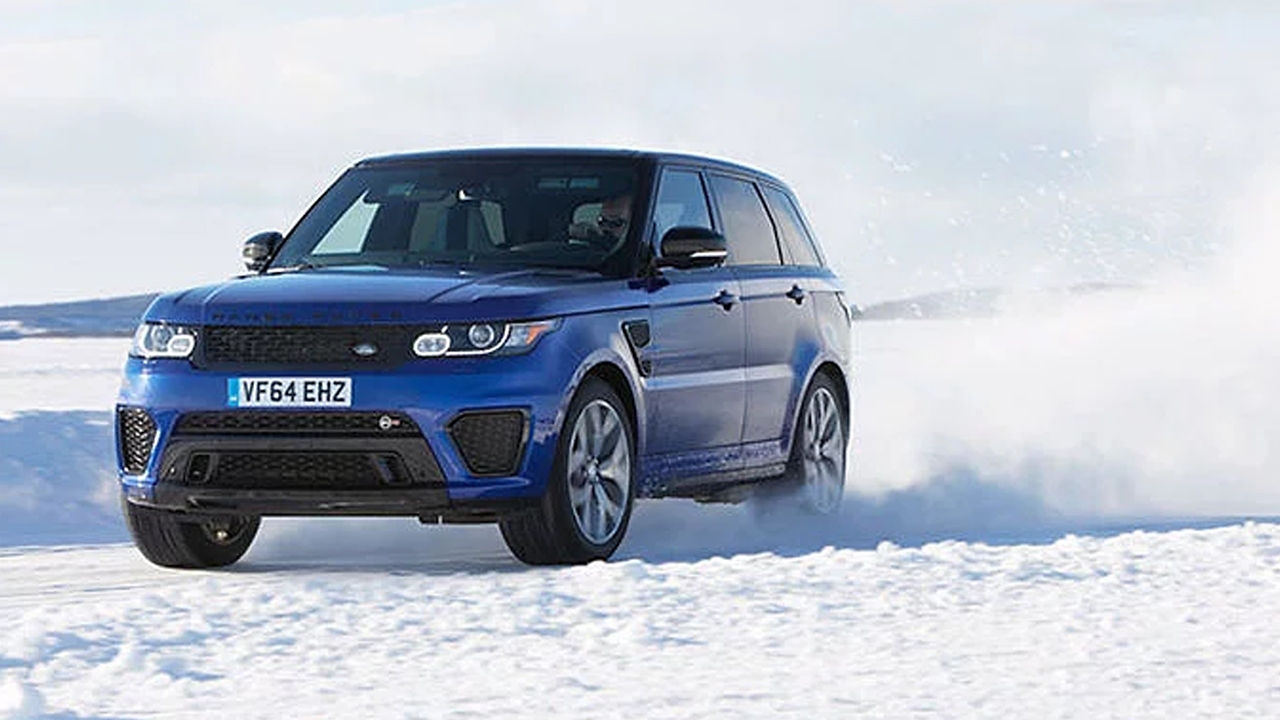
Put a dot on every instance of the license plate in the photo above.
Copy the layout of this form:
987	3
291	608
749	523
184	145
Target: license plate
289	392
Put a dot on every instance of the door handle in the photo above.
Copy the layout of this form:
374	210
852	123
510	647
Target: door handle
726	299
796	293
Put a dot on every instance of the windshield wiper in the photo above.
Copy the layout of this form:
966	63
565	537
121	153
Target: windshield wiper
448	262
294	268
325	266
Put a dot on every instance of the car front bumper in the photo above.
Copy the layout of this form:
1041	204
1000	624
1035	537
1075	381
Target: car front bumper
438	472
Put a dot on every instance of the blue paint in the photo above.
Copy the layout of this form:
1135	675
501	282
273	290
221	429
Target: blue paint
720	392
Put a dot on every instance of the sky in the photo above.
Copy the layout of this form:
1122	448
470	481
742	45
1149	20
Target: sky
934	145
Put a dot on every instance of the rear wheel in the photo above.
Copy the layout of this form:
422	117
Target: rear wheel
584	513
814	480
818	452
176	540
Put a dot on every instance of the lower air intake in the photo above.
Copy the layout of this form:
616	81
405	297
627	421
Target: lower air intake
323	470
136	433
490	441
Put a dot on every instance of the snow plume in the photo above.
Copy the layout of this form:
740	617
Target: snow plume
1153	400
1159	399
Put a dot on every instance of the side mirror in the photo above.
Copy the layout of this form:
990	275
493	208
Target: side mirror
259	249
692	247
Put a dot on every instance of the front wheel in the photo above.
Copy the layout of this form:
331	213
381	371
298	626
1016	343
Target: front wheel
171	539
584	512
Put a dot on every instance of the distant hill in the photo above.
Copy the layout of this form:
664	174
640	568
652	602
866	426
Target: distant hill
974	302
978	302
113	317
106	317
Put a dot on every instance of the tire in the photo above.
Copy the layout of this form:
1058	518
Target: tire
174	540
817	465
584	513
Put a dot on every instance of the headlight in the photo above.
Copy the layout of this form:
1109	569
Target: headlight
482	336
157	340
482	339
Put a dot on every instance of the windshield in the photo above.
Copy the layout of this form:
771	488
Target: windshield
540	213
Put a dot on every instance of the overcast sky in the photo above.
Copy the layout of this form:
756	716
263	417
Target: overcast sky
934	145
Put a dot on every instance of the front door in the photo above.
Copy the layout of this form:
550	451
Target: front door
695	389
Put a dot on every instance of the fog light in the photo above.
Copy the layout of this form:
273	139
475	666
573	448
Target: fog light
431	345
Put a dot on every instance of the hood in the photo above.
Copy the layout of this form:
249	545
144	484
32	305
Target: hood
351	296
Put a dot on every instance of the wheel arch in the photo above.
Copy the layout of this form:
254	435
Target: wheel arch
616	378
614	370
831	369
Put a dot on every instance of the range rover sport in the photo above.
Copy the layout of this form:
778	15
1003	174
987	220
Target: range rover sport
535	338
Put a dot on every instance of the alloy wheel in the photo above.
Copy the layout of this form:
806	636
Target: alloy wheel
599	471
823	452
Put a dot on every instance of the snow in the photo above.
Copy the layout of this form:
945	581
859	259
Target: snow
1141	624
956	591
19	701
982	565
60	373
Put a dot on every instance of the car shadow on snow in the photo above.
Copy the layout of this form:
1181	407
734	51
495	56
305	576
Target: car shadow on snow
960	505
375	545
957	505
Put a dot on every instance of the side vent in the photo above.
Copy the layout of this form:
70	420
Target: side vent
637	332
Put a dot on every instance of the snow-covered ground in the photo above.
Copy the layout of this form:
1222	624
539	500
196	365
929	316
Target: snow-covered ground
944	588
60	373
1175	624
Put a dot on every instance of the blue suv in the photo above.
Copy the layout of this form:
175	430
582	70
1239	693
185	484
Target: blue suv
529	337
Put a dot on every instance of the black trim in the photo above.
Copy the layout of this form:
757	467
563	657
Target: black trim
135	437
638	337
567	153
516	458
411	502
349	423
318	348
177	466
429	505
699	485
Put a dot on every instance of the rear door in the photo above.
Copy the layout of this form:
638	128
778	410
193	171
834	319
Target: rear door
779	321
695	389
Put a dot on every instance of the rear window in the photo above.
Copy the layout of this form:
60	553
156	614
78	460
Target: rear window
790	228
747	230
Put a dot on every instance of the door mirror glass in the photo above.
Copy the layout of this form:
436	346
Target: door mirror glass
692	247
259	249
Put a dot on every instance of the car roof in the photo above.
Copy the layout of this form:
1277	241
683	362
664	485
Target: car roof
513	153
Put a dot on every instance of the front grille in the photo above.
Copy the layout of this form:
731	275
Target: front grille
298	470
490	441
228	346
136	433
298	450
252	422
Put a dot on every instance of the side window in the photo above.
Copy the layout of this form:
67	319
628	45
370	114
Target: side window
747	230
681	201
790	228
